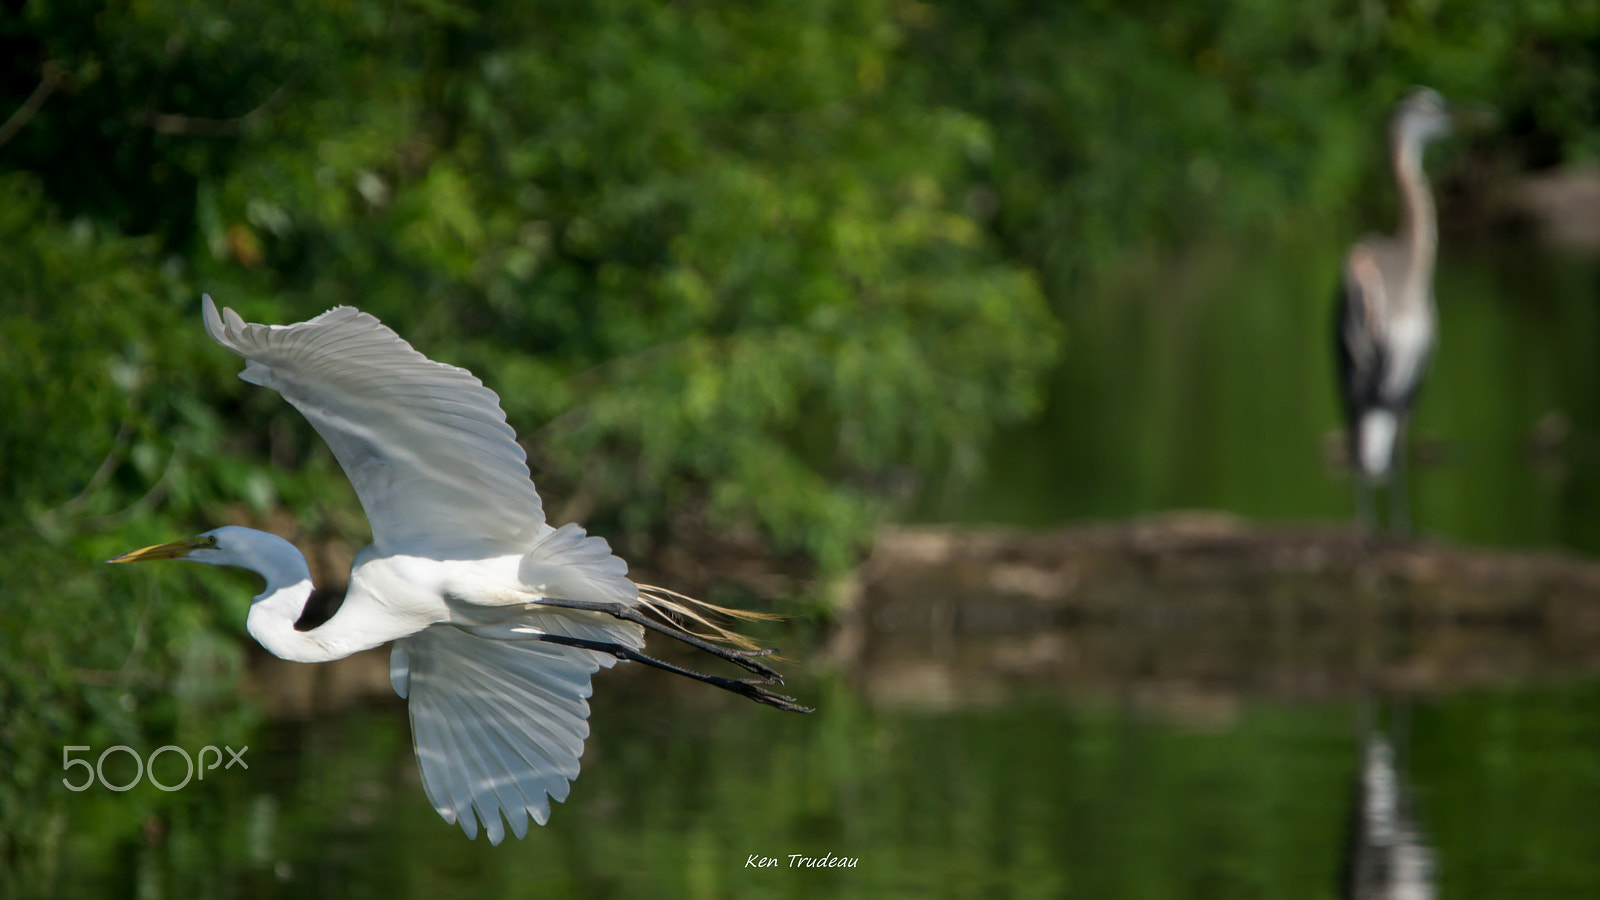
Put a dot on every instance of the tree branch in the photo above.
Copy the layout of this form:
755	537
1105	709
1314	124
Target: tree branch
172	123
53	76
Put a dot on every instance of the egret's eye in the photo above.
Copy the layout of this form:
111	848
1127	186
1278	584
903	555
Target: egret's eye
209	540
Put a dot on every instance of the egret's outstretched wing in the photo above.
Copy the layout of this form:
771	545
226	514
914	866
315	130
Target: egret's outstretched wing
425	444
498	725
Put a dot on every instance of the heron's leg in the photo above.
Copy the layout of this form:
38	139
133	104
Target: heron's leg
1361	485
1363	488
743	688
741	658
1399	486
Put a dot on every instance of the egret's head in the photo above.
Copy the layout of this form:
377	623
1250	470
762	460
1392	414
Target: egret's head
225	546
268	555
1423	116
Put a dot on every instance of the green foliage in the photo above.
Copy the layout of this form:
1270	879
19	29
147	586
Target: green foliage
95	429
711	251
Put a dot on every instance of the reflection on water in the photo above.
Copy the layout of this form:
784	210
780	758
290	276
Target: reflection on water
1040	796
1387	856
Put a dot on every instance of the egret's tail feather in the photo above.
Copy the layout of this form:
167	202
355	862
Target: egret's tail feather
568	562
685	612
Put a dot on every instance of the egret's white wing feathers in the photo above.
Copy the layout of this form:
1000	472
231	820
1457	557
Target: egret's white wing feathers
498	725
425	445
400	670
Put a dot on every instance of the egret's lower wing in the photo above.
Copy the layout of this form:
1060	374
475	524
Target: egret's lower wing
498	726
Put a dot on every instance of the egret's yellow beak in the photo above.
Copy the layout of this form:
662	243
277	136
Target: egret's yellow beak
173	550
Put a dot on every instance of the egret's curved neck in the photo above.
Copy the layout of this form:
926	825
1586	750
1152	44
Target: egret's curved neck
1419	229
271	622
274	611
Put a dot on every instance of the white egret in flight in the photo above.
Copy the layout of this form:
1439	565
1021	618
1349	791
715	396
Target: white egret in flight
498	620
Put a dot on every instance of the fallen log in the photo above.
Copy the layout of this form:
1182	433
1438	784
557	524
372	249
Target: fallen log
1203	602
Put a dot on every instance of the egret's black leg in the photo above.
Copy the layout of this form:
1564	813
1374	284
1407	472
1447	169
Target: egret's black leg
741	658
743	688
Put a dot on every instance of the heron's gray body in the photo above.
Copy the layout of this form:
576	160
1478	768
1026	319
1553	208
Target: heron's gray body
1386	321
1387	334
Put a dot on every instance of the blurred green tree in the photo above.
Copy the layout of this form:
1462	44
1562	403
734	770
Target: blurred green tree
717	255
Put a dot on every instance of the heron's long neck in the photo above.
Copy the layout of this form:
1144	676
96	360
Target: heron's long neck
1419	229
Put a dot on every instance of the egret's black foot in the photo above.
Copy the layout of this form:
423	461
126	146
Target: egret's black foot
744	688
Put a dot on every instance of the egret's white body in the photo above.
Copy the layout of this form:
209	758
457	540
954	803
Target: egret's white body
498	619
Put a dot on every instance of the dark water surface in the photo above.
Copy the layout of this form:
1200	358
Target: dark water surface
1036	797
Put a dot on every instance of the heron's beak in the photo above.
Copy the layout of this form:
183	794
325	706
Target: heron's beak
173	550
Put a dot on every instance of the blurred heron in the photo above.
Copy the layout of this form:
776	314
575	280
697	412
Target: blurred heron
1386	321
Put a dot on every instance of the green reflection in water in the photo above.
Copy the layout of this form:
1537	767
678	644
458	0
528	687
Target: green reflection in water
1208	383
1040	797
